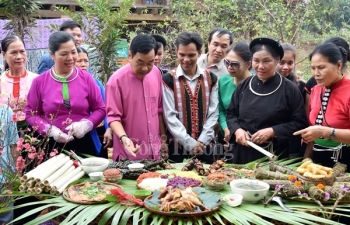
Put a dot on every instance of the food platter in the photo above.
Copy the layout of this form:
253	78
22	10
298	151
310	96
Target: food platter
152	201
106	186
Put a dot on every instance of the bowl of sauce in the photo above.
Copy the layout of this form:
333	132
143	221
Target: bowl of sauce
94	164
251	190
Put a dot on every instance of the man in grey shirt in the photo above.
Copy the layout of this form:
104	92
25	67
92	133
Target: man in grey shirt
190	103
219	41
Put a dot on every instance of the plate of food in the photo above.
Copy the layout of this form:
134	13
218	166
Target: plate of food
89	193
183	202
152	181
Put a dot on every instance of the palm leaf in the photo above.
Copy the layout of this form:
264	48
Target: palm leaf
119	214
110	212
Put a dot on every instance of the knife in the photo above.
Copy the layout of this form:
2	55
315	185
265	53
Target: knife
263	151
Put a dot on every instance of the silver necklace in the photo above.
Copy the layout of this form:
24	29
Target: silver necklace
256	93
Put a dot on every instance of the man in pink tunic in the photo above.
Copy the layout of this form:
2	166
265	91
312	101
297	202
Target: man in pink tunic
134	103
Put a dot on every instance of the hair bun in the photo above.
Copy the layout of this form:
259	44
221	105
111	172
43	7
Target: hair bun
343	51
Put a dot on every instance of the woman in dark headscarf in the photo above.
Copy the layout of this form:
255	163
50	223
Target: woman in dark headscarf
265	109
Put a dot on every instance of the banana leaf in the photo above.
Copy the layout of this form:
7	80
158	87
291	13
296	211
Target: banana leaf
114	213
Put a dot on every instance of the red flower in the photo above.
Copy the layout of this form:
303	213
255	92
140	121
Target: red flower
9	192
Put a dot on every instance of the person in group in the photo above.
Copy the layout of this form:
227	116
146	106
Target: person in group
15	81
190	103
64	103
8	140
134	103
104	132
219	40
69	26
265	109
329	118
344	46
238	61
286	67
161	44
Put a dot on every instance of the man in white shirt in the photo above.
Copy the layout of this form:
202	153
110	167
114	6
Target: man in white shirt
219	41
190	103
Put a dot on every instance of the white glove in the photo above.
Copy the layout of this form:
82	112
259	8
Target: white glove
79	129
57	134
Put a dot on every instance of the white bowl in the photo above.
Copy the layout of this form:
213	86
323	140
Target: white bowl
250	195
135	166
95	164
233	200
95	176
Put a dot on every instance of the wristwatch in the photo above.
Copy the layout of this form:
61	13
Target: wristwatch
121	137
331	135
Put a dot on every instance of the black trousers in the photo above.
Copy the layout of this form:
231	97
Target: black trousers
84	145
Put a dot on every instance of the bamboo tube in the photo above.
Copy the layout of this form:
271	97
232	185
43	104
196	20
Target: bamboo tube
53	192
22	187
47	189
30	183
29	191
76	177
37	185
58	173
66	178
45	174
38	190
42	185
47	163
22	181
70	169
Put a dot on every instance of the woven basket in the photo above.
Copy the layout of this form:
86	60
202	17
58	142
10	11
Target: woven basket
325	181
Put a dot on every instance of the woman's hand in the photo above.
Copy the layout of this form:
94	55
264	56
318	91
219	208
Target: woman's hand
263	135
242	137
108	138
79	129
226	135
313	132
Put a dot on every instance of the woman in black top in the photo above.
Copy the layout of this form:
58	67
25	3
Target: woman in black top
286	67
265	108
